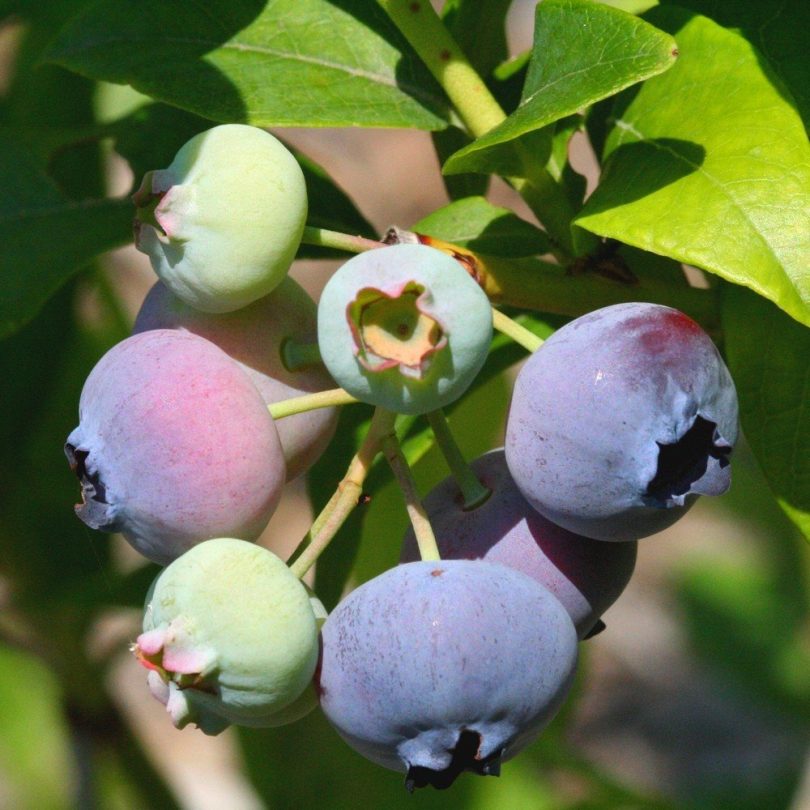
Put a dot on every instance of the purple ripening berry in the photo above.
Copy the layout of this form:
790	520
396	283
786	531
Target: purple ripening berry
435	668
174	446
587	576
620	420
254	336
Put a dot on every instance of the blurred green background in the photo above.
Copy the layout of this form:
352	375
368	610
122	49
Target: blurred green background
696	696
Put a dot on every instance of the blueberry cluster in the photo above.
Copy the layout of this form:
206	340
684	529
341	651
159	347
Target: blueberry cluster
437	666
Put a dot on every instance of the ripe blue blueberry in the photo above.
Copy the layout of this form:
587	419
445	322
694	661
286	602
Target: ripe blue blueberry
587	576
174	446
404	327
620	420
435	668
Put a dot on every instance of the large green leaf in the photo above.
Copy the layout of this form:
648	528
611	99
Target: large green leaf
46	237
475	223
265	62
582	52
710	165
778	30
769	358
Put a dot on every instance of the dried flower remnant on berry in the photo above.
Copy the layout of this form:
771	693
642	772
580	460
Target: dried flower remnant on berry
404	327
394	329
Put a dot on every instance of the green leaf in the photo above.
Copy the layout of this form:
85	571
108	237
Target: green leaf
264	62
769	357
508	79
330	208
43	142
478	27
779	32
45	237
631	6
559	166
450	140
582	52
741	619
710	165
515	158
477	224
35	743
44	548
149	137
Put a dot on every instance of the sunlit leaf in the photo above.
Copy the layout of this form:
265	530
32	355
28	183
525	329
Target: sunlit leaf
710	165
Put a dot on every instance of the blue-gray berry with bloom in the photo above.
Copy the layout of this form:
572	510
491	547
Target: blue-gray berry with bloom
620	420
587	576
436	668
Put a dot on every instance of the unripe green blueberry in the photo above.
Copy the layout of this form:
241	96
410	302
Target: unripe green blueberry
229	636
404	327
222	223
308	699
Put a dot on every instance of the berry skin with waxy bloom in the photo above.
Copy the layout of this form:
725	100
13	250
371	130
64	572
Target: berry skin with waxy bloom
254	336
436	668
174	445
222	223
587	576
404	327
620	420
229	636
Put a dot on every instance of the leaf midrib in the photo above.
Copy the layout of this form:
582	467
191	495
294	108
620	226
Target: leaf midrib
415	91
587	69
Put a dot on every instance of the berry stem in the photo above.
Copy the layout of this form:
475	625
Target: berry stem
472	490
520	334
425	539
345	498
310	402
549	203
297	356
427	34
480	111
321	237
533	284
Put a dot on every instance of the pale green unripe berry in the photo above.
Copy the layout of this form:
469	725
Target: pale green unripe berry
222	223
308	699
229	636
404	327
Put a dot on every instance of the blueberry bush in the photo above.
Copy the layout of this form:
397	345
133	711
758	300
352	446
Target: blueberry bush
606	318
